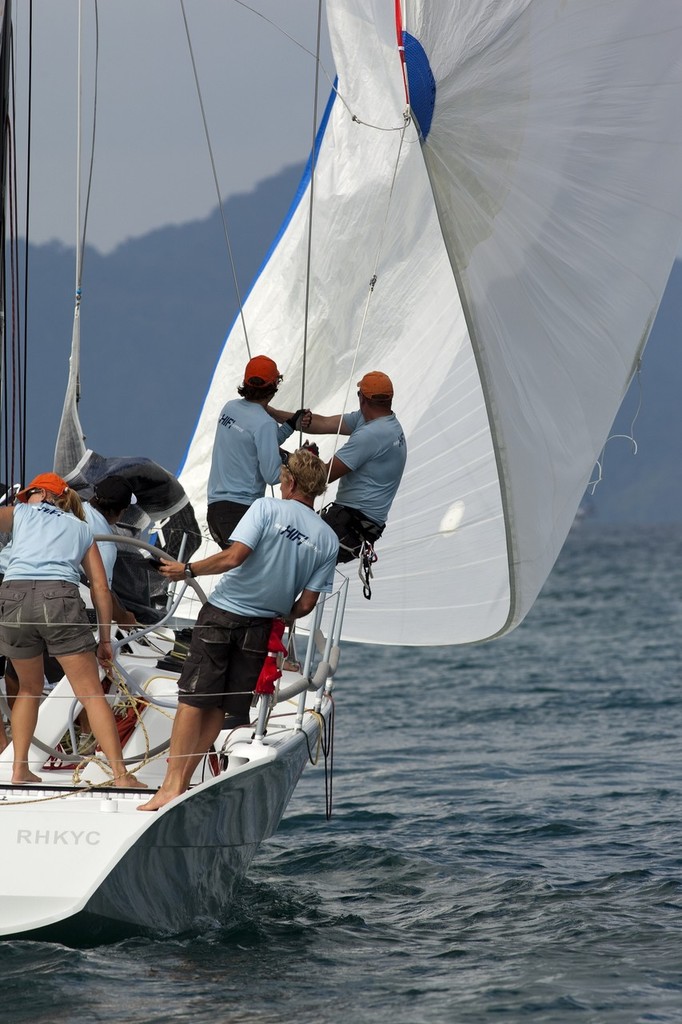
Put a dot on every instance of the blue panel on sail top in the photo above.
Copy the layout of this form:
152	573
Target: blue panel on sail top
421	83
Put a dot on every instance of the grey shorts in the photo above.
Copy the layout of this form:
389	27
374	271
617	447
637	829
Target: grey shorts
224	661
43	615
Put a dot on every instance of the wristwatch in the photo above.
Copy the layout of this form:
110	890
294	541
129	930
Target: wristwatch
188	572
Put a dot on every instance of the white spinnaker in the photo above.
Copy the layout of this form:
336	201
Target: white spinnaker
556	162
536	237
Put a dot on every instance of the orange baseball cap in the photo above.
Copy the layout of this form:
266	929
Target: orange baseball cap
48	482
376	386
261	372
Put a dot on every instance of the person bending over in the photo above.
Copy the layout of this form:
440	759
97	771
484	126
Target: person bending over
41	610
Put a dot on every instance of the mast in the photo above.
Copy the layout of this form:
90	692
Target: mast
5	43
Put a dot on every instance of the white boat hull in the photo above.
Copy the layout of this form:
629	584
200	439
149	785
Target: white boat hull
83	863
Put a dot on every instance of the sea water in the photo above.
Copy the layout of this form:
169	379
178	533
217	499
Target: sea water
504	845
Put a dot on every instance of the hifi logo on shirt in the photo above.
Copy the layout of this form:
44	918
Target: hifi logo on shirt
229	421
293	534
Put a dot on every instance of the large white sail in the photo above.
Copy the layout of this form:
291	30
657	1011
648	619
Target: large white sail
523	247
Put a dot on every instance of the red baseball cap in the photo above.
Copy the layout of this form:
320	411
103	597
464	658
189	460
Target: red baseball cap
261	372
47	482
376	386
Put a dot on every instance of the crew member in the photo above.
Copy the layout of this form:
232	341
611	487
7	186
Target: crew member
111	498
369	466
282	556
41	610
246	454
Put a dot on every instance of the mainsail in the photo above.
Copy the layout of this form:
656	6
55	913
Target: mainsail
521	228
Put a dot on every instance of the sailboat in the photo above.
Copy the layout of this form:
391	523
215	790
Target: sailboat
489	214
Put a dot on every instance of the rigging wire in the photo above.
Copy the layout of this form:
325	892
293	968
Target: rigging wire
373	280
12	368
215	179
29	127
82	221
79	141
92	139
599	465
313	160
4	127
316	57
15	420
18	422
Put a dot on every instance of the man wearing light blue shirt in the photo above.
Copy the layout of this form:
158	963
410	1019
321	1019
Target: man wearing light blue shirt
246	455
369	467
281	558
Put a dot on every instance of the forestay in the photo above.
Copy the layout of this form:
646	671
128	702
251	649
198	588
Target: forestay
522	253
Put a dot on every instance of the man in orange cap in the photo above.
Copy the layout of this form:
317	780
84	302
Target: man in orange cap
246	455
369	466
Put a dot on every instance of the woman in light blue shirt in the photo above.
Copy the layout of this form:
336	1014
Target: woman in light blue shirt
41	610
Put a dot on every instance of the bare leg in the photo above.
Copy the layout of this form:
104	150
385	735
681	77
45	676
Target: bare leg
25	715
11	683
4	741
10	693
194	730
81	671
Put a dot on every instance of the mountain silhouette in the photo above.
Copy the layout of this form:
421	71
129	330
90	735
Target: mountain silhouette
154	316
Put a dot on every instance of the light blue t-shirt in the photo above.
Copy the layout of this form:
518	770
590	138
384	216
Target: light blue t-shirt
108	551
375	452
47	544
293	550
245	453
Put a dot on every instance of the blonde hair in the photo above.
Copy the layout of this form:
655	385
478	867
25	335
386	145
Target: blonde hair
308	471
70	502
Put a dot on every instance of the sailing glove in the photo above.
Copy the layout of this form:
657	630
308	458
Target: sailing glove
294	421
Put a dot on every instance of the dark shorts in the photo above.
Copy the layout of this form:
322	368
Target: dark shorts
351	527
225	658
43	615
222	517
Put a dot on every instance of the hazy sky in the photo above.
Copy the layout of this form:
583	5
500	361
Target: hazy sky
151	159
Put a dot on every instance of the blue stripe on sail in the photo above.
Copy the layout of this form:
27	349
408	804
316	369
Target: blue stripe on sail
300	192
421	83
302	187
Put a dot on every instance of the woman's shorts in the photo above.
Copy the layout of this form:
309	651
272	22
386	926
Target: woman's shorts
43	615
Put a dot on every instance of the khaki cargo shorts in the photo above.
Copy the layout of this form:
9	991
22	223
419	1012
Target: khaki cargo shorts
43	615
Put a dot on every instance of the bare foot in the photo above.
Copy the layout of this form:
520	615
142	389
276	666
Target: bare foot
24	776
128	781
160	799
